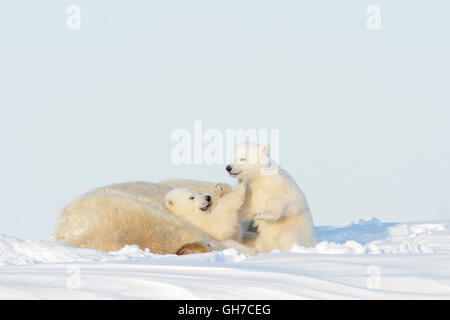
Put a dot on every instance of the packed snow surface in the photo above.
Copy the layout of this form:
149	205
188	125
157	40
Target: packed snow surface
364	260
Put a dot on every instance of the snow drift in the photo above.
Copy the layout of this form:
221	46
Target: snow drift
367	259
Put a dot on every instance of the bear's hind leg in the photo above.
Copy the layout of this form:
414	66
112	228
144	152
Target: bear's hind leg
286	239
198	247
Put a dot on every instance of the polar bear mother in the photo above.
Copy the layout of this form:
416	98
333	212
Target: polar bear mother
108	218
274	201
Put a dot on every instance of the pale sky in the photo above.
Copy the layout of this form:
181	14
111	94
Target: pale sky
363	115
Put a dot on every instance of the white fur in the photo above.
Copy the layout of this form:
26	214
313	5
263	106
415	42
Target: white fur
111	217
221	222
196	185
274	201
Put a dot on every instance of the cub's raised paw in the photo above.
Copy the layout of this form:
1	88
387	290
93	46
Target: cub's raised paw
222	189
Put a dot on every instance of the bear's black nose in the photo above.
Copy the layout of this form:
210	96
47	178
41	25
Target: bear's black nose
208	198
228	168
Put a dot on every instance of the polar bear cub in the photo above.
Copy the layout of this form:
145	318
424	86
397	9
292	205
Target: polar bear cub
219	220
274	202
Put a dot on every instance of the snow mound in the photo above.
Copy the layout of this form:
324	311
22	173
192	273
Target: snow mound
364	260
362	237
14	251
227	255
393	239
362	231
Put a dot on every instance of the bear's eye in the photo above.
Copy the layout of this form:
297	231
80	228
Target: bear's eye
242	159
192	198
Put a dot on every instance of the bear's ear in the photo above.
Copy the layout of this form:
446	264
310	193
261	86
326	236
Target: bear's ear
266	149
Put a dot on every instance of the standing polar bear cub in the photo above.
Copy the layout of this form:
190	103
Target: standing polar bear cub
220	222
274	201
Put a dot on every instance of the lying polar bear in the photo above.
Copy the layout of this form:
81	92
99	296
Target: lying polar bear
111	217
222	222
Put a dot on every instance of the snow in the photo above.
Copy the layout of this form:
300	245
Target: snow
364	260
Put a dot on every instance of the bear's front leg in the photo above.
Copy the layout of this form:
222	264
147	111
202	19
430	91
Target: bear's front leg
268	216
233	201
274	210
